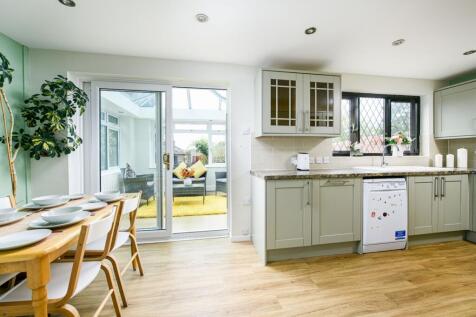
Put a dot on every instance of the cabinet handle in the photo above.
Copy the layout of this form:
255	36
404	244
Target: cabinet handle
443	187
435	188
308	193
335	182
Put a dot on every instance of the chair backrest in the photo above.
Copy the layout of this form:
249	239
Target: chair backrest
7	202
76	268
101	227
130	207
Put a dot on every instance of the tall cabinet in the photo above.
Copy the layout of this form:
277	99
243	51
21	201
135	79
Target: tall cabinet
295	103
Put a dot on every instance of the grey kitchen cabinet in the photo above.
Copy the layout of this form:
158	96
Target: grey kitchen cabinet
288	221
336	210
294	103
438	204
453	209
455	111
423	202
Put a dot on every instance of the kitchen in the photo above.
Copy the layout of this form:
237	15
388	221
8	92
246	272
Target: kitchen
320	155
322	211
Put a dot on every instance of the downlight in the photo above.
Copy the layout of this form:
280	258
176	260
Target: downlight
68	3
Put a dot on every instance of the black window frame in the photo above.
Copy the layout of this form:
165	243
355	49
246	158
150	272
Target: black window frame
353	97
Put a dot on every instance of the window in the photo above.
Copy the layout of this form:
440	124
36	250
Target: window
109	141
369	119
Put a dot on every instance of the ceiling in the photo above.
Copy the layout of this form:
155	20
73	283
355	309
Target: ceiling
352	37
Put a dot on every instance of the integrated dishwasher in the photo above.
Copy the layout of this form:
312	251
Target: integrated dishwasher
385	214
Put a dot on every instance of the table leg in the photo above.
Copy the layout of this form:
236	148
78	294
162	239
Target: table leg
38	275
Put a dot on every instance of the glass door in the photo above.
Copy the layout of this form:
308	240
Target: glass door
135	152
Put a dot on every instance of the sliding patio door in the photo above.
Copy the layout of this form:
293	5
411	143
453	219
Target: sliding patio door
133	148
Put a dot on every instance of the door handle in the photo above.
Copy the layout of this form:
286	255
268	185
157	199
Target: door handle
166	160
443	187
435	188
335	182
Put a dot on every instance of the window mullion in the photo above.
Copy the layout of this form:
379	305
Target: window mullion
387	122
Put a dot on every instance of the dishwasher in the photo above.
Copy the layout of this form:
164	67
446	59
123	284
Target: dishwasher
385	214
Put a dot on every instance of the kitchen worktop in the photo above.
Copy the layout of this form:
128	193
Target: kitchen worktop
363	171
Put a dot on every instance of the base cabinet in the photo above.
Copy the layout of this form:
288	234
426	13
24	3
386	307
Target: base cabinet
336	210
438	204
288	222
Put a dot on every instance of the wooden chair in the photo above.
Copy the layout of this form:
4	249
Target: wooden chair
126	207
8	202
18	302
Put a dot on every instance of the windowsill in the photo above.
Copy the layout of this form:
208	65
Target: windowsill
113	170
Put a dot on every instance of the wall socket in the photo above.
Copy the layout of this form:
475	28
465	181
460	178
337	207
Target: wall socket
319	160
326	160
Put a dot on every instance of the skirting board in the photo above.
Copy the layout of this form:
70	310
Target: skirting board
312	251
435	238
240	238
471	236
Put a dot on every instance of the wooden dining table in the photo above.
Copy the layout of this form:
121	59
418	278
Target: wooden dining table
36	259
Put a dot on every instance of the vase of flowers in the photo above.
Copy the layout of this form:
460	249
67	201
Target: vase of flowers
355	149
400	143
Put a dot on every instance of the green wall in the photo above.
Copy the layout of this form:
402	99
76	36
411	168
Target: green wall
17	54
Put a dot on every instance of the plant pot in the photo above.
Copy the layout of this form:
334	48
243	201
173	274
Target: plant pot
399	149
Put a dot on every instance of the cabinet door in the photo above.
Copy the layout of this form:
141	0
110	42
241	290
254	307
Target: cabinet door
282	102
455	111
337	211
322	104
288	214
453	210
423	199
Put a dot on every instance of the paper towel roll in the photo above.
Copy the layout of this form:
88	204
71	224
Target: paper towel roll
438	160
450	161
462	158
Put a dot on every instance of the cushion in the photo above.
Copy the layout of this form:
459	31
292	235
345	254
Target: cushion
199	169
178	170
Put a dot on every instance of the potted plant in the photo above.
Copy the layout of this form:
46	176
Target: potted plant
400	143
50	130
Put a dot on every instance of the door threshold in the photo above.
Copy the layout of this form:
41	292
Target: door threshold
184	236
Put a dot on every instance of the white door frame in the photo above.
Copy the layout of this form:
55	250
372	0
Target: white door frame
91	136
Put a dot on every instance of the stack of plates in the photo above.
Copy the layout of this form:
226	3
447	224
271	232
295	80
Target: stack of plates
11	215
41	223
45	202
23	238
108	197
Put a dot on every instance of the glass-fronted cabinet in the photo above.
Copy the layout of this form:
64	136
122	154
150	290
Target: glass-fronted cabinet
299	104
281	99
322	98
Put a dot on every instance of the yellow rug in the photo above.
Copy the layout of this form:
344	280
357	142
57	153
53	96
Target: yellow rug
188	206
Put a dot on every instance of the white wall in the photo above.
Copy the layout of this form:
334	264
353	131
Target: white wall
51	175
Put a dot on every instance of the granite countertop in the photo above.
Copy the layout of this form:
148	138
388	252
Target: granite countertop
364	171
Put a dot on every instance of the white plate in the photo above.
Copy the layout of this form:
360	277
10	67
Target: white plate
41	224
93	205
17	217
23	238
75	196
36	207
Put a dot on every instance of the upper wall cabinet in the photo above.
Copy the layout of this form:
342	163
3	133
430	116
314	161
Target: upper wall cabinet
298	104
455	111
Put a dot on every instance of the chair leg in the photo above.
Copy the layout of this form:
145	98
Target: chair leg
118	276
110	284
137	255
66	311
133	251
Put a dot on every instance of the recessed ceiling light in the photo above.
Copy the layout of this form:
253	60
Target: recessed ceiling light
398	42
310	30
68	3
469	52
202	18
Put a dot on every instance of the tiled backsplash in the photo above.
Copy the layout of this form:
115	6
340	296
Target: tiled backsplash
274	153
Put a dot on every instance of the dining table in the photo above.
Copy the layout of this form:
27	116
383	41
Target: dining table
35	260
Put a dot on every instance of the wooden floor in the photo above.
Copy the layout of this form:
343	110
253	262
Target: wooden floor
215	277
